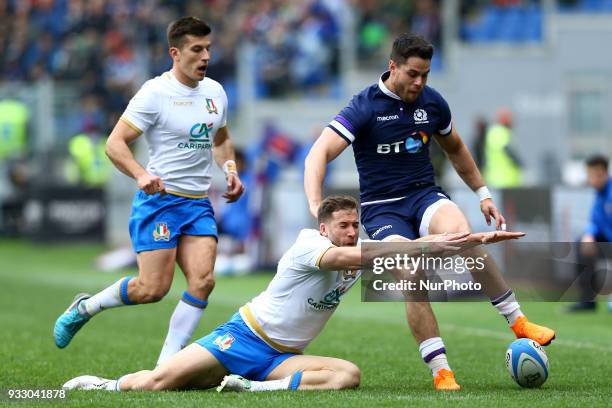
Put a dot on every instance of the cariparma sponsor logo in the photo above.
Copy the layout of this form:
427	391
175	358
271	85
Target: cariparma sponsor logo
200	132
199	137
224	342
161	232
330	301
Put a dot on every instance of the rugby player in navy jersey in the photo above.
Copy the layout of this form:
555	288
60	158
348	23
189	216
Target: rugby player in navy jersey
390	125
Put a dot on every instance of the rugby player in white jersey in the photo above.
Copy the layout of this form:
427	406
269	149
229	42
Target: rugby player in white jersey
262	344
182	115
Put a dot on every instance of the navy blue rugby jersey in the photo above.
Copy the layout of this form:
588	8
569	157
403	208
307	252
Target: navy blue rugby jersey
391	139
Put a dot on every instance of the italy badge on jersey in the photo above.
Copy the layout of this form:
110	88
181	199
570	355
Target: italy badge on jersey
161	232
210	106
224	342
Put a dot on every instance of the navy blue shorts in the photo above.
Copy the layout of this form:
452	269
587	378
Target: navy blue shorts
241	351
408	216
158	221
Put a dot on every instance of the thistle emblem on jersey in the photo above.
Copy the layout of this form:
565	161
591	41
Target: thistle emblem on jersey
224	342
420	116
210	106
161	232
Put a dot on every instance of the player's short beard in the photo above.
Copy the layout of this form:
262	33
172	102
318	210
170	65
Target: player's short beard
401	91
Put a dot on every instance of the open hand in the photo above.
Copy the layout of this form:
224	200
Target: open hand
444	243
494	236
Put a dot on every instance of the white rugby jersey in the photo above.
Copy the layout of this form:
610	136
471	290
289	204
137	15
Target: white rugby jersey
179	124
301	298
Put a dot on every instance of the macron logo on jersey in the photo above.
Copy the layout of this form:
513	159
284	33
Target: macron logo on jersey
386	118
381	229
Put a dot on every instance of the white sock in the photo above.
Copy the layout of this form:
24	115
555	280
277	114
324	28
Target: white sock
106	299
437	363
508	306
434	354
272	385
288	383
183	323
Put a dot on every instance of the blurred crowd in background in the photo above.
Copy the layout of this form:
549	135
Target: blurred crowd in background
111	46
97	53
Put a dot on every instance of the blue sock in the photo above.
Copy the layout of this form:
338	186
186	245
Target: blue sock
296	378
124	291
194	301
113	296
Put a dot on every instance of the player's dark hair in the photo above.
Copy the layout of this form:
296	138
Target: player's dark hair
598	160
335	203
409	45
179	29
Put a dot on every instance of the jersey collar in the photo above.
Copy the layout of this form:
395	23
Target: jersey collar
182	85
384	88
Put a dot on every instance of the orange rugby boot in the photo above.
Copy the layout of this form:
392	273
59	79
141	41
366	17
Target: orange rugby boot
445	381
523	328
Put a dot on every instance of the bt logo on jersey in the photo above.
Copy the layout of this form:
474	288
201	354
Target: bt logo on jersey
386	148
413	144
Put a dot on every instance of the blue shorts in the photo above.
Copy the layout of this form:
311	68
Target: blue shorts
158	221
241	352
406	217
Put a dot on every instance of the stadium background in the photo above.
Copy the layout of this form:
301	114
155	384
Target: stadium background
288	68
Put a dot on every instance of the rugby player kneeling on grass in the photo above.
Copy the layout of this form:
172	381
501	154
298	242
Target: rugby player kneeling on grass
260	348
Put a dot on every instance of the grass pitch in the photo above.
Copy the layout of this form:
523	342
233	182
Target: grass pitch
38	282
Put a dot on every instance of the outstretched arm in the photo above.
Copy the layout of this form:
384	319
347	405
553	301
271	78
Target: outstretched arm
327	147
492	237
337	258
340	258
450	244
437	243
